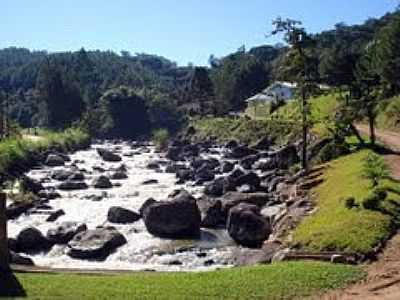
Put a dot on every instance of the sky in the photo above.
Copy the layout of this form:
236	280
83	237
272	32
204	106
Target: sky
185	31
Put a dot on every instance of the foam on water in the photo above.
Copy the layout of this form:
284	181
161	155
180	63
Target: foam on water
143	251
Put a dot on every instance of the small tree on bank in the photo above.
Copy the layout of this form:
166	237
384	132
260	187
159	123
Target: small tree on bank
300	67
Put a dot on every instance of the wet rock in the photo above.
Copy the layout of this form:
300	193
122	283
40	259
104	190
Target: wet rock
213	216
99	169
150	182
147	203
31	185
72	185
248	161
250	179
174	153
14	210
185	175
102	182
55	215
21	260
177	218
118	175
49	194
95	244
108	156
54	160
174	167
31	240
191	151
227	167
215	188
232	199
65	232
231	144
246	226
241	152
77	176
153	166
263	144
209	262
203	174
121	215
61	174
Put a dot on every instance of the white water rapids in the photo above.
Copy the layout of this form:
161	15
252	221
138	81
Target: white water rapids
143	251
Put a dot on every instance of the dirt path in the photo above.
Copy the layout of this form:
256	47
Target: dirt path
383	279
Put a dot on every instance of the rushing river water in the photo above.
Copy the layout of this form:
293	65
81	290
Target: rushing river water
143	251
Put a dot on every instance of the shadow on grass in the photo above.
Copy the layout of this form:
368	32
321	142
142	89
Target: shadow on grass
10	286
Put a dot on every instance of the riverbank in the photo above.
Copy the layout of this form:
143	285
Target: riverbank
19	154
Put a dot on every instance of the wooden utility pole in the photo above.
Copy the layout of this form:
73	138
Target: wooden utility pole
4	253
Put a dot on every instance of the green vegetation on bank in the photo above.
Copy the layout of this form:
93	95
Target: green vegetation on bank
389	114
336	227
277	281
21	150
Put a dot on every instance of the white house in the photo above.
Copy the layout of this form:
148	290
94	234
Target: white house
276	92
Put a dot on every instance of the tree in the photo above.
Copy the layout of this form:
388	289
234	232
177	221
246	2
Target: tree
367	91
300	68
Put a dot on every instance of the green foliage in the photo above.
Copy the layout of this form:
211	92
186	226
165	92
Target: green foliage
160	138
374	200
375	168
257	282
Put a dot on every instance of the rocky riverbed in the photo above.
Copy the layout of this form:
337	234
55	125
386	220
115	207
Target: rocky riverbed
123	205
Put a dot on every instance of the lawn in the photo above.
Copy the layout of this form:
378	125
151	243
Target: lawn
335	227
277	281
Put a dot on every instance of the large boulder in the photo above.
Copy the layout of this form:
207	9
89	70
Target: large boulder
31	240
102	182
212	215
95	244
146	203
70	185
203	174
109	156
284	158
121	215
232	199
54	160
174	153
65	232
178	218
251	179
264	144
227	167
247	227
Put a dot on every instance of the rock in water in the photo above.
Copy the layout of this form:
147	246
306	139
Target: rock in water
107	155
31	240
72	185
18	259
247	227
121	215
95	244
175	219
102	182
55	215
54	160
65	232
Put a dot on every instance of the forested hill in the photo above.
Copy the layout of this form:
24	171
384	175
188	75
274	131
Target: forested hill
56	90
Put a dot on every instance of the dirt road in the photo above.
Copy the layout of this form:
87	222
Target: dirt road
383	279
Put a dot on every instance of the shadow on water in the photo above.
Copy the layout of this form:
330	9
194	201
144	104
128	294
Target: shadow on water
10	286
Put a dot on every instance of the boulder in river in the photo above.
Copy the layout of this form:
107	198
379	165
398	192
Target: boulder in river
29	184
31	240
70	185
102	182
55	215
108	156
232	199
121	215
175	219
241	152
18	259
54	160
65	232
145	204
119	175
96	244
61	174
247	226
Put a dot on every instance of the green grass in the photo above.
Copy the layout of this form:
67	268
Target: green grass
389	114
277	281
333	226
18	150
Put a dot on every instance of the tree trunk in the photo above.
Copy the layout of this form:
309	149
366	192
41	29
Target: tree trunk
371	120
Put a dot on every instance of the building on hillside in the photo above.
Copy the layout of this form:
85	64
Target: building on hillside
276	93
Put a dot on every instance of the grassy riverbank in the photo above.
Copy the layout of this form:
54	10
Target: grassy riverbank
21	150
277	281
335	227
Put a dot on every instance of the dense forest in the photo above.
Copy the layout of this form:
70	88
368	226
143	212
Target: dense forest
126	95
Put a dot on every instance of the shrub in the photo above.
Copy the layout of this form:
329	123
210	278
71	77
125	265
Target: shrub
332	150
375	168
160	138
374	200
350	202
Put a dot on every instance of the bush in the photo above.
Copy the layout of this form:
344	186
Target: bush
374	200
332	151
375	168
160	138
350	202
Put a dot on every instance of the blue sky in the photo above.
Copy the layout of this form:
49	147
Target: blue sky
184	31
